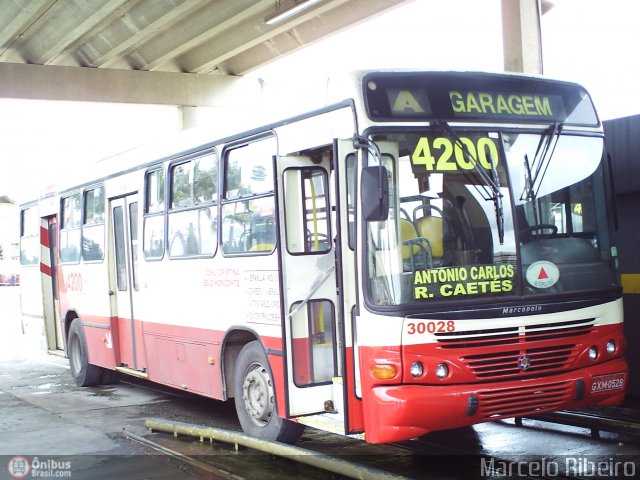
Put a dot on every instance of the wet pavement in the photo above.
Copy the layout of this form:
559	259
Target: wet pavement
44	416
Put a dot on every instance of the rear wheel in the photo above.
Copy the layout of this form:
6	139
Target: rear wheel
255	398
84	374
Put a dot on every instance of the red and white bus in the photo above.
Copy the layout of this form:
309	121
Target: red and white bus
430	252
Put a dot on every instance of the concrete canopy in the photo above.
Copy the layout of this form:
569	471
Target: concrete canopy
175	52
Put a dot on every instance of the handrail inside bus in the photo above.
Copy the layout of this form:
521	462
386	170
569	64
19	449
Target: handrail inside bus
314	288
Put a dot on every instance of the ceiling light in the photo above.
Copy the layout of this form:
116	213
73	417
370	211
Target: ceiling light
289	12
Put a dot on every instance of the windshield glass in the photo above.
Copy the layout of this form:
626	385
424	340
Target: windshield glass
561	212
488	214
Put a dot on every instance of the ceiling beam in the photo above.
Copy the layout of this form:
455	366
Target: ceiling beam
125	86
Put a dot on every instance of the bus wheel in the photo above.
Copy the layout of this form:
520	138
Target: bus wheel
255	398
84	374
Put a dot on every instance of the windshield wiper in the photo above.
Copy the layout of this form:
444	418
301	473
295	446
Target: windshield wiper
534	172
537	169
492	180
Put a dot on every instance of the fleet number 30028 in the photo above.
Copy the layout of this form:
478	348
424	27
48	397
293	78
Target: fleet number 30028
439	326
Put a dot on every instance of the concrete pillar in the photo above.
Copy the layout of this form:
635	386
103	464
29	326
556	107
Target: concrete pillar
522	43
188	116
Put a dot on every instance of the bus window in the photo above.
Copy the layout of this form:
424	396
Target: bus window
306	210
93	226
121	257
351	199
314	359
182	185
206	179
70	229
155	191
29	237
248	219
192	231
133	224
153	240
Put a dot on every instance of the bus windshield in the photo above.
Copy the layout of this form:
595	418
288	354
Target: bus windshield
477	214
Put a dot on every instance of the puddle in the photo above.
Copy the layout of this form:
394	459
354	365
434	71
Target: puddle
110	394
46	388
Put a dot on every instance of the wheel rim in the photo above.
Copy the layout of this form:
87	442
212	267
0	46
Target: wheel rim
74	352
257	393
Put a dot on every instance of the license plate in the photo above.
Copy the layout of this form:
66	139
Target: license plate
606	383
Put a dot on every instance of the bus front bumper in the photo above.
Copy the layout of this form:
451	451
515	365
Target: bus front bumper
401	412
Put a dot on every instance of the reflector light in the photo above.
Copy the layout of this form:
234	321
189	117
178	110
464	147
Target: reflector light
384	372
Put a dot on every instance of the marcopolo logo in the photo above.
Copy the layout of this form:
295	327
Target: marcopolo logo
21	467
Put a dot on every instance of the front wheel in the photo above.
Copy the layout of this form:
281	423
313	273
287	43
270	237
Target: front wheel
84	374
255	398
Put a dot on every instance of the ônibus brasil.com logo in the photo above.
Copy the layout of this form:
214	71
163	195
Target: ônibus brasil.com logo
21	467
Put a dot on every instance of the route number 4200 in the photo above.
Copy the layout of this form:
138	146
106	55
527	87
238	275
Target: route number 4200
452	155
439	326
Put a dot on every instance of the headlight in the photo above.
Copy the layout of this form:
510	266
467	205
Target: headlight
593	353
611	346
442	371
416	369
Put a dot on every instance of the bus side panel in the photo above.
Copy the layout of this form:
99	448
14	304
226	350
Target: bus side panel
354	404
79	286
275	354
99	344
184	357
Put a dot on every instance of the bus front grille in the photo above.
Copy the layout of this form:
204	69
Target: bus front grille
518	351
514	335
518	401
505	364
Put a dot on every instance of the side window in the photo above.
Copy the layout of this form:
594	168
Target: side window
70	229
314	351
248	210
306	210
29	236
93	225
153	241
193	219
133	235
351	199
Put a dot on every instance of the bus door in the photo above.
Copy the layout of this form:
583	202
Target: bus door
311	306
123	283
53	325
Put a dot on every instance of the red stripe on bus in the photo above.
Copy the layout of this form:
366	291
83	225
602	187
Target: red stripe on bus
44	237
46	269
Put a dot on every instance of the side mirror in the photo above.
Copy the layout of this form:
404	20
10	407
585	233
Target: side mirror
374	194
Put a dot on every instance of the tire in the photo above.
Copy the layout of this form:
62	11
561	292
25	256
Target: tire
84	374
255	398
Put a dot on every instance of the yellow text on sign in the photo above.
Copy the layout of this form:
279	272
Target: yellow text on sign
500	104
441	154
478	279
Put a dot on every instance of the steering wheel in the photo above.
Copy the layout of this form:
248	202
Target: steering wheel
552	231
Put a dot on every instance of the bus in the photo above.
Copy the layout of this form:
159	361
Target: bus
430	250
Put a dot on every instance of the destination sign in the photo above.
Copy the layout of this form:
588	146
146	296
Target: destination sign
482	97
